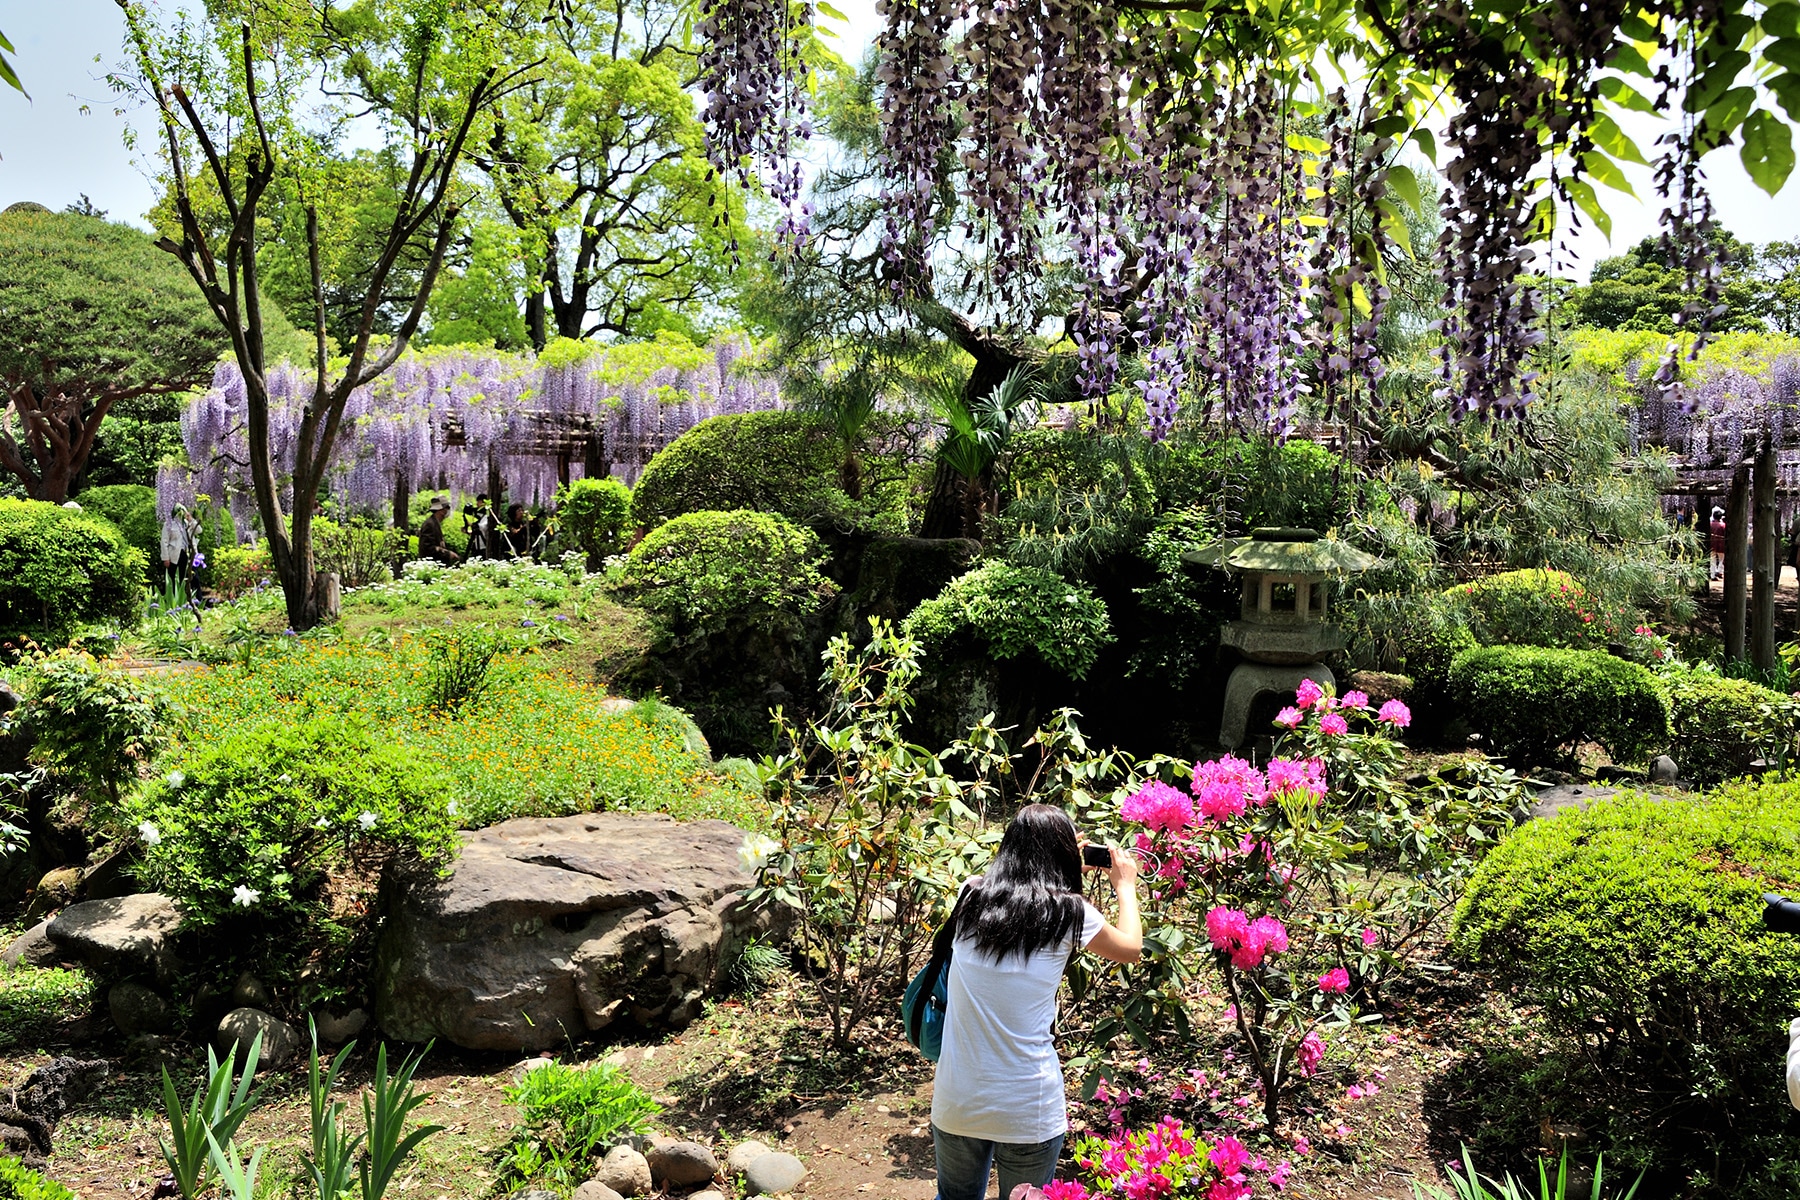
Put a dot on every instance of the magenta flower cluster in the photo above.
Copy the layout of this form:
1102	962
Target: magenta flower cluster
1247	941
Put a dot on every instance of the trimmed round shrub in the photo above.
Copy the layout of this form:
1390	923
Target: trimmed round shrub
1534	702
1635	928
130	506
781	462
702	568
1008	611
242	568
1537	608
60	569
1721	726
595	514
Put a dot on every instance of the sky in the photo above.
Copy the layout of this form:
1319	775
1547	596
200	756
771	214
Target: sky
67	140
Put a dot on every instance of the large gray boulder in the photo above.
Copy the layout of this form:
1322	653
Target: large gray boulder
544	929
124	935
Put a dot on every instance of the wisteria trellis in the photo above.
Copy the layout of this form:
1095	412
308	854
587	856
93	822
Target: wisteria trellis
439	418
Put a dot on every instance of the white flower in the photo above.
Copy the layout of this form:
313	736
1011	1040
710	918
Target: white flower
367	821
754	854
150	833
244	897
174	779
322	823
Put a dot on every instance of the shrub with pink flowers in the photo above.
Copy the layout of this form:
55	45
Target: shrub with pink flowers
1164	1162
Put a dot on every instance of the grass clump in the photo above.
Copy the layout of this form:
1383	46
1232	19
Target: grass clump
35	1000
569	1115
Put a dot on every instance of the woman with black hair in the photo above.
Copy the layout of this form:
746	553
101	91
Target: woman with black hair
999	1097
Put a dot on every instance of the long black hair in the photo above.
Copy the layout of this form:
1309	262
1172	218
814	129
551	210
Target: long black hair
1030	896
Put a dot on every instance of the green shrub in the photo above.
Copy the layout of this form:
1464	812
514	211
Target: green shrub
91	723
60	568
703	567
240	569
1635	928
1534	702
780	462
274	836
1008	611
595	514
357	553
1721	726
20	1182
1262	481
573	1113
1538	608
131	507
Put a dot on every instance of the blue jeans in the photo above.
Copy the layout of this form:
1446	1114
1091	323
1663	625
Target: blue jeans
963	1162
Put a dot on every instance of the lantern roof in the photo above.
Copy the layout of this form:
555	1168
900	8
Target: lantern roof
1284	551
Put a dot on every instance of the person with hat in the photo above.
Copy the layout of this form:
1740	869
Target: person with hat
431	534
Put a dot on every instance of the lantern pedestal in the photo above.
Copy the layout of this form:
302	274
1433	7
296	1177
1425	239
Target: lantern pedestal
1250	680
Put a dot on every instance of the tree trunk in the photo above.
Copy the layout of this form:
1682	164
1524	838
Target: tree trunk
944	507
1737	518
594	463
402	505
1765	561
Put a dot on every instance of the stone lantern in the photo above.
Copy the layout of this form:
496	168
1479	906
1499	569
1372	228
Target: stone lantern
1281	629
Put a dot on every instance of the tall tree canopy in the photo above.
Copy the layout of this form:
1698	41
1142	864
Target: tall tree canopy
600	164
1195	154
91	313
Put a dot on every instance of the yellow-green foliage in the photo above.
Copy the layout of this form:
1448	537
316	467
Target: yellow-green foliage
1624	358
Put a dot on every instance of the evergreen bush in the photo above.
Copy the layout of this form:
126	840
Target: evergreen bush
1634	927
60	568
1722	726
1008	611
701	568
130	506
595	515
780	462
1534	702
1537	608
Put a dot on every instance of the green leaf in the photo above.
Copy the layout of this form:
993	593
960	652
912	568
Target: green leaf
1393	223
1582	193
1627	57
826	10
1390	126
1781	21
1784	52
1609	137
1787	90
1624	95
1604	170
1768	151
1403	183
1427	143
1307	144
1724	117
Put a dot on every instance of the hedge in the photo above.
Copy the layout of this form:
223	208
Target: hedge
1008	611
60	568
1634	927
704	567
1537	608
1535	703
1722	726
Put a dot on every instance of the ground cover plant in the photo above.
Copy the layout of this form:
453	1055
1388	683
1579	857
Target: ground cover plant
534	743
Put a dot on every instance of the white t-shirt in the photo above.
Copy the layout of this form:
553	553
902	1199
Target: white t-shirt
998	1076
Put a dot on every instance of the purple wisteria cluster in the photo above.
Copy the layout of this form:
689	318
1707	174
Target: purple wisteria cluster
1721	415
753	75
441	419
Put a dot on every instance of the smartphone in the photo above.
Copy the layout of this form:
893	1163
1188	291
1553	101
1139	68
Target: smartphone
1096	856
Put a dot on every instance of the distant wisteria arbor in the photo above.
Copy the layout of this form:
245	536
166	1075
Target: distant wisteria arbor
468	422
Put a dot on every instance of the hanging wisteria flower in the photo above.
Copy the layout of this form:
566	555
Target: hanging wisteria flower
1395	713
755	852
1308	694
1160	807
1335	982
244	897
1333	724
150	833
367	821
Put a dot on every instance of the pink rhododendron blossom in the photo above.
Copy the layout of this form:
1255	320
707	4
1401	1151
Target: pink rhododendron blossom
1229	1155
1147	1186
1307	775
1226	927
1395	713
1353	1092
1288	717
1227	785
1356	699
1158	806
1065	1189
1333	724
1311	1052
1273	931
1228	1189
1302	1147
1370	938
1335	982
1308	694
